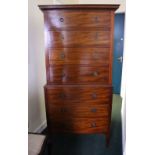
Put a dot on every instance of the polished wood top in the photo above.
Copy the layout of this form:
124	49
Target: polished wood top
80	6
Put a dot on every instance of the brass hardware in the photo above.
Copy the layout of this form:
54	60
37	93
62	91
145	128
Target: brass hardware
94	96
95	73
62	55
93	124
61	19
93	110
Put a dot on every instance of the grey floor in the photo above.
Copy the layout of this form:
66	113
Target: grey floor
93	144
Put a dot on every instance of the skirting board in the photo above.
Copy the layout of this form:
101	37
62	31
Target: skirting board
41	127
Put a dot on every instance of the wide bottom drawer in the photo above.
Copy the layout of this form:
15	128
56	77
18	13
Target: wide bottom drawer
79	125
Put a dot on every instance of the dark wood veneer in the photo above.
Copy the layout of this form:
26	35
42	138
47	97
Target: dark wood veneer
78	111
80	6
78	38
81	94
79	125
72	19
78	54
70	74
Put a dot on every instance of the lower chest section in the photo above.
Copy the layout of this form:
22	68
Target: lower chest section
78	109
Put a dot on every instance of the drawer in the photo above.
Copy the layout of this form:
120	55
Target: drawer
78	94
76	19
74	74
79	125
78	38
84	110
82	56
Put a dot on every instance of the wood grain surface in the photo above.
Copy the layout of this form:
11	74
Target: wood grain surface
79	125
65	19
79	94
79	56
71	74
78	38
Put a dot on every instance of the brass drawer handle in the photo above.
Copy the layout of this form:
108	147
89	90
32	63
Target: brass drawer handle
95	73
94	96
62	56
93	110
61	19
93	124
62	96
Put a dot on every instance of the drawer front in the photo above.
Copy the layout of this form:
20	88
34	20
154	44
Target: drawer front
79	125
79	56
73	94
75	19
78	38
74	74
85	110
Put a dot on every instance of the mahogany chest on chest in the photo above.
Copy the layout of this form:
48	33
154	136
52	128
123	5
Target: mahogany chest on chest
78	52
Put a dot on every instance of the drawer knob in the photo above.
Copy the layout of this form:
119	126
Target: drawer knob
95	73
93	124
93	110
94	96
62	55
61	19
62	95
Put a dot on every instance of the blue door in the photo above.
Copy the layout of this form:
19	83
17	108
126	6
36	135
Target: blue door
118	52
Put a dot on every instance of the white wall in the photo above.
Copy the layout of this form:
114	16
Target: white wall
123	94
121	8
36	67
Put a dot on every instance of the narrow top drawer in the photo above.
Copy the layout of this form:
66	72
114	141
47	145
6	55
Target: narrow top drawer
66	19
